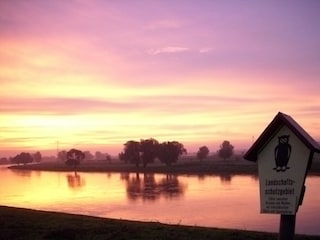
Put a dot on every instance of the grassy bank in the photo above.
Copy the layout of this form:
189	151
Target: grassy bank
17	223
182	167
190	167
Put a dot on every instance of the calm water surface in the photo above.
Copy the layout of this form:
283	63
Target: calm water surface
215	201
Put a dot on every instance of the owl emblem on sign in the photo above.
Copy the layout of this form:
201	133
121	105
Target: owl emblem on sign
282	153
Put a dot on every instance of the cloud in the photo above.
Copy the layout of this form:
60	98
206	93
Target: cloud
163	24
170	49
176	49
60	106
148	103
205	50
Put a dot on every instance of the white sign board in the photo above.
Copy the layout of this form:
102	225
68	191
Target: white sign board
282	165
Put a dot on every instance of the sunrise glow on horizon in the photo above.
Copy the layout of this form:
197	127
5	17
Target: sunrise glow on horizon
95	74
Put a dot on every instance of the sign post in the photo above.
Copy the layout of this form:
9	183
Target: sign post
284	153
287	227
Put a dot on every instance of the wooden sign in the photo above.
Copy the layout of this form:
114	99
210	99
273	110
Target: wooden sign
282	166
284	152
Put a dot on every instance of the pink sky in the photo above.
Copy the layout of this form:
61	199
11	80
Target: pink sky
95	74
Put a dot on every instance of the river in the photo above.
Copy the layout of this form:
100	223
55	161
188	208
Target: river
209	200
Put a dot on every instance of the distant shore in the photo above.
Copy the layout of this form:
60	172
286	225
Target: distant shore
194	167
26	224
181	167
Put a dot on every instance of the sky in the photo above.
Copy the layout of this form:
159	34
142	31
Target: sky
94	74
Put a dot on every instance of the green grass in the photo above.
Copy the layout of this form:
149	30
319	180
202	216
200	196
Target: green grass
17	223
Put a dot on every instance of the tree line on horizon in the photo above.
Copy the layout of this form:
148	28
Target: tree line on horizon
140	153
23	158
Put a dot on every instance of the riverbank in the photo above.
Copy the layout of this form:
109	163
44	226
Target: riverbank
18	223
182	167
190	167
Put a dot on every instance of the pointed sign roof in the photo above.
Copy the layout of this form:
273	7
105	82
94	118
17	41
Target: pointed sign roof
280	120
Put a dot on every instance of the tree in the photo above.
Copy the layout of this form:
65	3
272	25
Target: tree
62	155
122	157
226	150
169	152
99	155
37	157
103	156
74	157
203	153
131	153
3	160
148	150
22	158
108	157
88	155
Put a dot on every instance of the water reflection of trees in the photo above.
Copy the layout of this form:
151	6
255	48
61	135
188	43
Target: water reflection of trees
26	173
225	178
147	187
75	181
255	177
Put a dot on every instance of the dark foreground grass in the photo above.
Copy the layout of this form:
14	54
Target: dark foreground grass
17	223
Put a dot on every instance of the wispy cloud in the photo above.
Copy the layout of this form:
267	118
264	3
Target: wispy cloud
152	105
61	106
171	49
163	24
205	50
